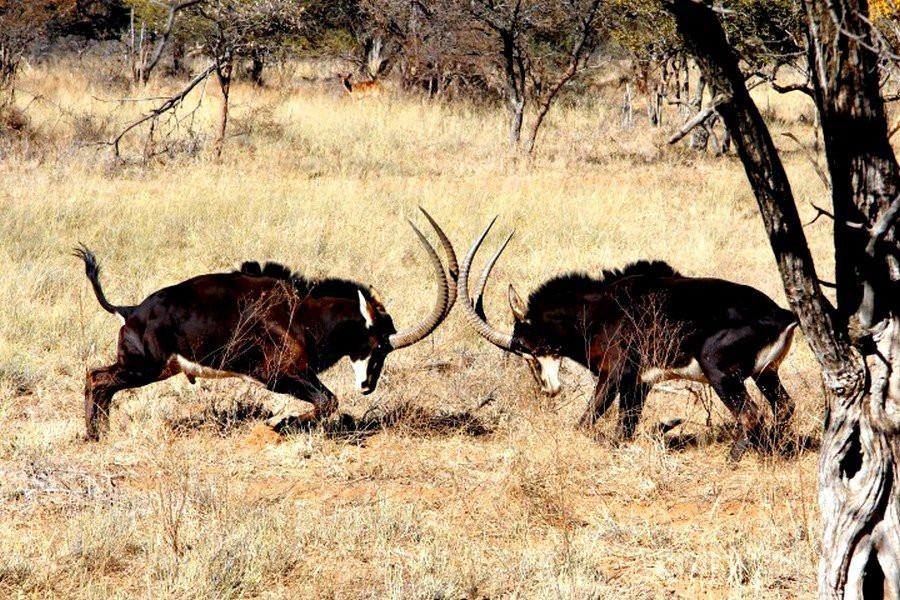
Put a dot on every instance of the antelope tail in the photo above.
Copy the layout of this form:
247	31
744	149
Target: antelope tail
92	270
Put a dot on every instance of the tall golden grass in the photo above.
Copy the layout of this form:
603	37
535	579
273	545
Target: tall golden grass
178	507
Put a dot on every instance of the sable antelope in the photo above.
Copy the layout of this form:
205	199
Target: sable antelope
263	323
362	89
641	325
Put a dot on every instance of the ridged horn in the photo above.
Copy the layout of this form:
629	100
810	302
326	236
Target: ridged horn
478	297
498	338
413	334
450	253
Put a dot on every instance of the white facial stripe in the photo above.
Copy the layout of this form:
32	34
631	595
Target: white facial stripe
365	309
549	372
360	370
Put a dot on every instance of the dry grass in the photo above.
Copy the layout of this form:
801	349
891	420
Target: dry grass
416	502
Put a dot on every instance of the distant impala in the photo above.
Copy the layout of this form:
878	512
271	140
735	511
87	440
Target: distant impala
263	323
641	325
362	89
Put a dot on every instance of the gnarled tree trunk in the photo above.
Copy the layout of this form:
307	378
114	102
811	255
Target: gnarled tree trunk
858	467
857	343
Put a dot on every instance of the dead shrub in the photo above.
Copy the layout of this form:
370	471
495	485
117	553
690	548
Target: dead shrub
88	128
13	120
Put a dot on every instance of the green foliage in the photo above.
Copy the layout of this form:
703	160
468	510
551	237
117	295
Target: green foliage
152	14
249	27
643	29
765	32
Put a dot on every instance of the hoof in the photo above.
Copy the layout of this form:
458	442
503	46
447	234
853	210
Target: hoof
737	450
668	425
285	424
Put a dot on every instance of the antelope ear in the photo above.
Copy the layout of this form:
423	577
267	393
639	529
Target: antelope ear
516	304
366	309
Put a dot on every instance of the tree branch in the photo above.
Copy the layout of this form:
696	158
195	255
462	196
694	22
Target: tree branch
164	36
574	62
826	181
698	119
819	212
165	106
803	88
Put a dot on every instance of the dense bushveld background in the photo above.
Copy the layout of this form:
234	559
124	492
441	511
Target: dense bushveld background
459	480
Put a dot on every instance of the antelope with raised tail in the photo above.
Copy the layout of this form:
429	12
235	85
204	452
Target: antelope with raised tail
261	322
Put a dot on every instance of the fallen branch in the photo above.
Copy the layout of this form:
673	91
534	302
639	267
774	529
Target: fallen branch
698	120
169	104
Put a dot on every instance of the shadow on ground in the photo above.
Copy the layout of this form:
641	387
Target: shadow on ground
790	446
406	417
222	419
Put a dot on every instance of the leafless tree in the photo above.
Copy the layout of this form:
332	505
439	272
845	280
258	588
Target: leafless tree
21	24
856	342
579	21
509	20
433	45
228	30
537	41
244	29
146	43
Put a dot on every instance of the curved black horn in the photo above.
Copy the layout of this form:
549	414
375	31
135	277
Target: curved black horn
413	334
498	338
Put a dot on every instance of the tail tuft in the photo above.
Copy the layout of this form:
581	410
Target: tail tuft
91	267
92	270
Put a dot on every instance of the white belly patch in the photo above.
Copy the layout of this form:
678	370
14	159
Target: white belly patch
690	371
192	369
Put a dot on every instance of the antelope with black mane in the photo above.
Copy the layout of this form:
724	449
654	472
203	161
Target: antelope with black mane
262	322
641	325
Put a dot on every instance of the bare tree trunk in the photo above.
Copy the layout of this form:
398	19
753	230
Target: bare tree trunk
655	104
627	110
223	70
859	488
144	61
177	56
516	114
256	67
726	141
700	135
858	479
515	86
683	84
857	345
9	66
